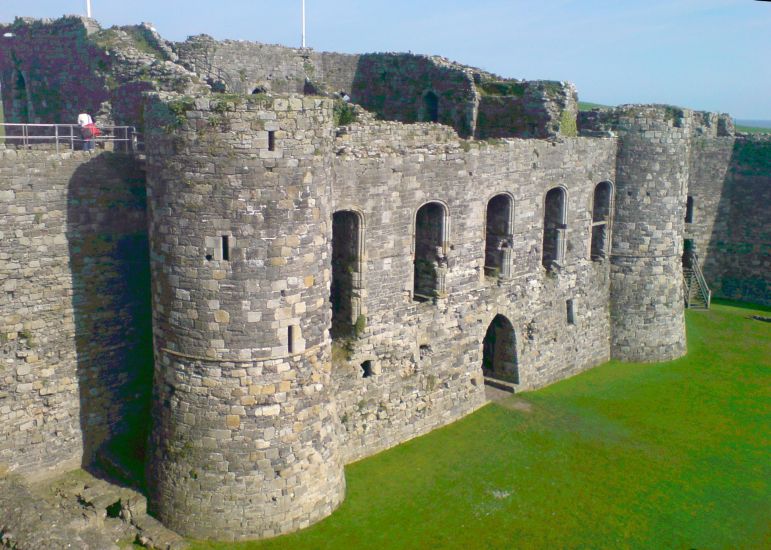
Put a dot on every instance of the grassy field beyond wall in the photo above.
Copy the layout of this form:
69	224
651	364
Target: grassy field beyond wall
669	455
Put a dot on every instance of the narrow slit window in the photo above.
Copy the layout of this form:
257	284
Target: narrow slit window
689	210
290	336
571	312
226	248
271	140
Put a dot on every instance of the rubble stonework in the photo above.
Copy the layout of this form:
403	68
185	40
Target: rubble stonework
316	289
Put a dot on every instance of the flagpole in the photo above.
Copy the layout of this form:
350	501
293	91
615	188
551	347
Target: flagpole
303	41
88	8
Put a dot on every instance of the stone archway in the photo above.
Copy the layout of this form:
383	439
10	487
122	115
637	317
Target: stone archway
499	351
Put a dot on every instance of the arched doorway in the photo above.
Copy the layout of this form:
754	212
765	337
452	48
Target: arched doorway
499	351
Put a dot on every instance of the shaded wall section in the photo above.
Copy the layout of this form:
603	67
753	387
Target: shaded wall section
731	188
75	360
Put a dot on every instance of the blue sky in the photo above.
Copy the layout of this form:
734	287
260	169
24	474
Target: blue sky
704	54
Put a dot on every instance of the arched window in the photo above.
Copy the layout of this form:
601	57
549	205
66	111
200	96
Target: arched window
499	351
430	261
603	193
345	295
554	227
431	106
498	236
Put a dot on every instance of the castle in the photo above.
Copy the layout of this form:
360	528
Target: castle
285	282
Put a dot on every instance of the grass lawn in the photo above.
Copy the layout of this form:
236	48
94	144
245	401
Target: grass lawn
668	455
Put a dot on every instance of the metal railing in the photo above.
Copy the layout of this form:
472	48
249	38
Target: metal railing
693	275
119	138
706	293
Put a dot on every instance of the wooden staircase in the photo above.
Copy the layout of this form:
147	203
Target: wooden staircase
695	290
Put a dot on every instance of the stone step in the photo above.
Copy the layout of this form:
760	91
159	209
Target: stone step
504	385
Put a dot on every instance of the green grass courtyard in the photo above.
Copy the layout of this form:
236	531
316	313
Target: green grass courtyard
668	455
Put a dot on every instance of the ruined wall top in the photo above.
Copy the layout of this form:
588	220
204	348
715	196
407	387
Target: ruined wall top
625	117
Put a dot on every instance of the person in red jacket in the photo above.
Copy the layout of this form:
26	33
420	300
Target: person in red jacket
88	130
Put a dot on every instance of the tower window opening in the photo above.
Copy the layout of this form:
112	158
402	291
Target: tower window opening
689	210
226	248
571	312
271	140
291	334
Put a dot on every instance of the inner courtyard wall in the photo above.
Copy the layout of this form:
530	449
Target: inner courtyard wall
730	183
75	345
427	357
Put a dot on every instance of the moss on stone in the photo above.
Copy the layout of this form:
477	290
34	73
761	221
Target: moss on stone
503	88
568	126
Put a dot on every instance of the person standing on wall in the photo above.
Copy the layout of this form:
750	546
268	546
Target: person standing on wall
88	130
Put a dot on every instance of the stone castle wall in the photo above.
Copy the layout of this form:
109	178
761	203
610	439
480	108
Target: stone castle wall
243	442
730	186
74	314
35	88
427	357
396	86
322	293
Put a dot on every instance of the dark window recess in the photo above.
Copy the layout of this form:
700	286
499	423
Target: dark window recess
497	235
366	369
430	261
689	210
226	248
290	336
271	140
554	227
600	220
346	273
571	312
432	107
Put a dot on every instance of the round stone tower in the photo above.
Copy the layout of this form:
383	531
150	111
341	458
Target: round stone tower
647	246
243	441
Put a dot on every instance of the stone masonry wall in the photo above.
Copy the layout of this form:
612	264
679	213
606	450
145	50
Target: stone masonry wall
243	442
74	308
731	187
539	109
709	185
426	358
237	66
646	256
35	86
